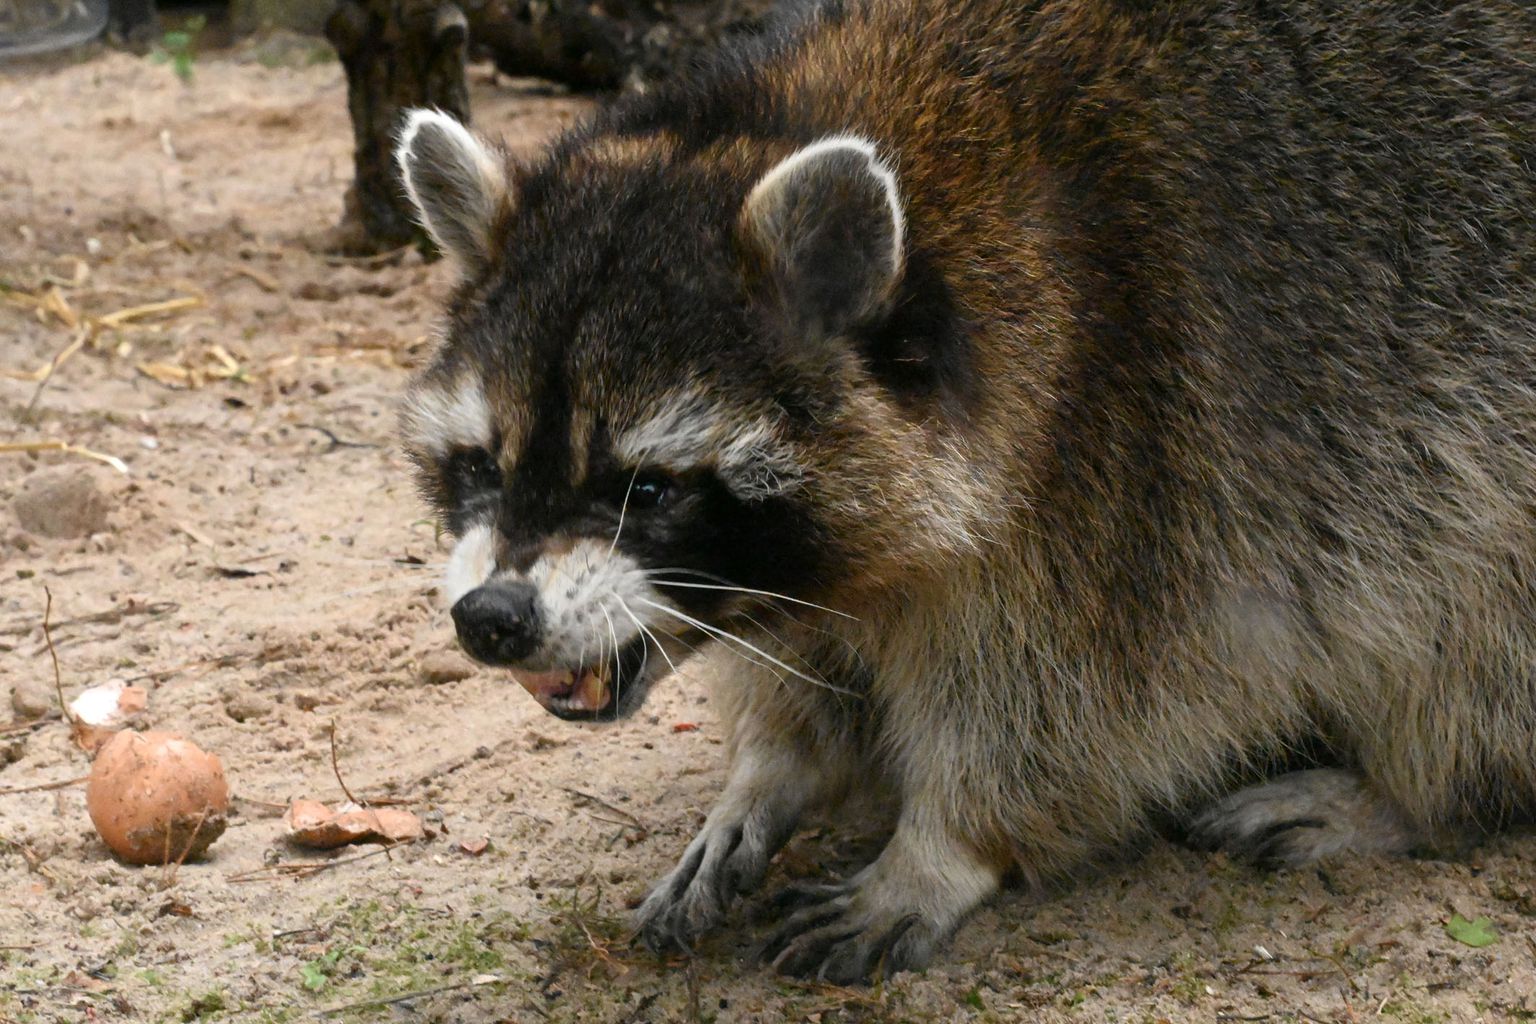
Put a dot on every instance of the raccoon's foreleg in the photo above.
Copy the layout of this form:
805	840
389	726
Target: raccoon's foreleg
892	915
1302	817
753	818
788	754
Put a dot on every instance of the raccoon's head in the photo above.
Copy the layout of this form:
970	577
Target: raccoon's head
648	427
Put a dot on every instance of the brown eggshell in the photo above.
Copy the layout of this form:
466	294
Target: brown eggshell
304	815
313	824
156	798
101	712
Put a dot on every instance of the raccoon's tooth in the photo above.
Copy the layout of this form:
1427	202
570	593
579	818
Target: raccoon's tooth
592	691
544	685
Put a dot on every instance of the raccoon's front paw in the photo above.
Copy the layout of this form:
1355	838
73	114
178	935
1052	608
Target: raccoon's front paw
838	936
721	862
889	917
1303	817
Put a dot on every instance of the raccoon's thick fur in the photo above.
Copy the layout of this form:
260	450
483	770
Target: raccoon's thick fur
1059	413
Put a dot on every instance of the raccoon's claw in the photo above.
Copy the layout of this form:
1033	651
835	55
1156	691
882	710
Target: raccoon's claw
839	942
1300	818
721	863
889	917
682	906
800	895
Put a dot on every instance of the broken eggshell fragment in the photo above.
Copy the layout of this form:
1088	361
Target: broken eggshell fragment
101	712
313	824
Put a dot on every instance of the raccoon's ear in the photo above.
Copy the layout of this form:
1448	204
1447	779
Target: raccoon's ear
823	231
457	183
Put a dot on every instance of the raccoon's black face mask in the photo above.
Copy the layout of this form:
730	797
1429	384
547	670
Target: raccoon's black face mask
631	458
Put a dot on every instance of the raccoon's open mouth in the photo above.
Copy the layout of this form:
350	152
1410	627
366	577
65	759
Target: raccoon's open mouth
602	691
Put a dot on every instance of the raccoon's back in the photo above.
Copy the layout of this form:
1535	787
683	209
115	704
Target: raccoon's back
1293	246
1322	170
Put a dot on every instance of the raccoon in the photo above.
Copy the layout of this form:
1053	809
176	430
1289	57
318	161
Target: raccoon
1063	414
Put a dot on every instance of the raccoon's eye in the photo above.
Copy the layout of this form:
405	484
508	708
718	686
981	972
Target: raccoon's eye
650	489
472	471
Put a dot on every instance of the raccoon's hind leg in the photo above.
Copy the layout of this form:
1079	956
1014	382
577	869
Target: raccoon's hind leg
788	755
1302	817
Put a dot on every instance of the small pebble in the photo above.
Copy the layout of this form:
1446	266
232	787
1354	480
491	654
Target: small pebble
87	909
62	502
32	698
443	667
243	706
314	291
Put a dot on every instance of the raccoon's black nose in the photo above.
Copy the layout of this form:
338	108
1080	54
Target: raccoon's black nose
498	624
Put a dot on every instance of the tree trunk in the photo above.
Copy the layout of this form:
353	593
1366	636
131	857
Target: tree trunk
132	21
410	53
397	54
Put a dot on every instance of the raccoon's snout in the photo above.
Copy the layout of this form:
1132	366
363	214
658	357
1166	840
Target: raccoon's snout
498	624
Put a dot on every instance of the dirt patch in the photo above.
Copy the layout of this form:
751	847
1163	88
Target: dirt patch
264	569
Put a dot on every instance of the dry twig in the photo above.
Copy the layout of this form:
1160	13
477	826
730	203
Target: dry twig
161	675
335	767
35	863
44	786
168	876
47	372
10	447
629	819
335	442
272	872
132	313
269	808
377	260
87	329
266	282
17	728
374	1004
111	615
58	681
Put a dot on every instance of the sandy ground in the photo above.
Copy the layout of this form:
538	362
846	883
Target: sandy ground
265	571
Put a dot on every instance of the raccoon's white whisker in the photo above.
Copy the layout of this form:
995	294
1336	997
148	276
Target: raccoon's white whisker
787	647
693	648
744	590
624	607
623	507
780	641
724	635
783	683
727	585
744	657
645	659
617	682
602	654
795	651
